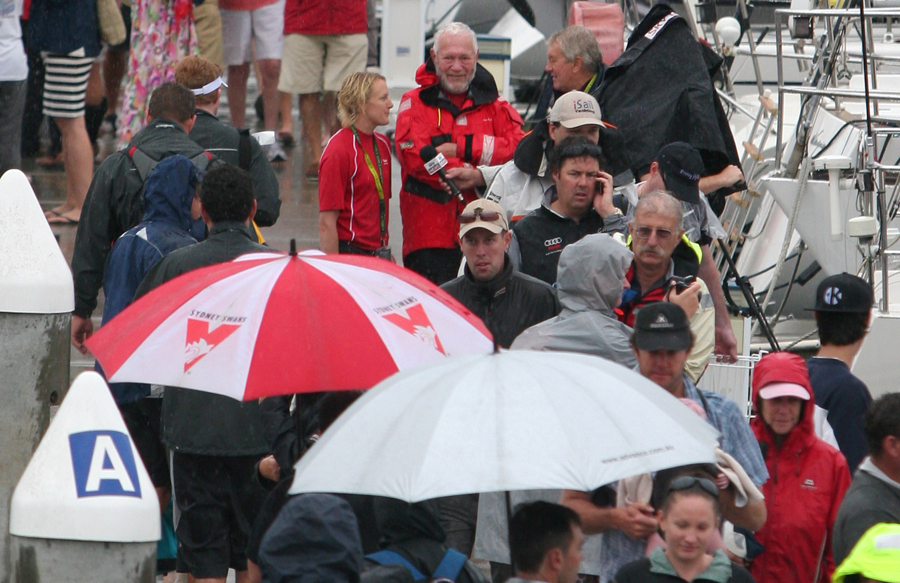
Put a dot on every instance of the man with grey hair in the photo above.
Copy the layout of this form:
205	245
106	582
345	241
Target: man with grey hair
574	63
457	110
664	270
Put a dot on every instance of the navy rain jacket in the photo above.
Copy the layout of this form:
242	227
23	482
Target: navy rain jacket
166	225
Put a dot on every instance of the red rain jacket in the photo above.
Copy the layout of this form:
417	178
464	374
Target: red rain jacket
486	130
807	482
325	17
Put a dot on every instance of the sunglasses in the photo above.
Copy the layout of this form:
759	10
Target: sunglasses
686	482
662	235
478	214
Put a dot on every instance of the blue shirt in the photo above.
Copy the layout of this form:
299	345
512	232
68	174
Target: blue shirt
618	549
737	438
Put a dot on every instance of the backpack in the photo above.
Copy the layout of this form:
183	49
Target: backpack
145	163
447	571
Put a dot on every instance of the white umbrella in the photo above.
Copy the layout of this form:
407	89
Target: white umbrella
512	420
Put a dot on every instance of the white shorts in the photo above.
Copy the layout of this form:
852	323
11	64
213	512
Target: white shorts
313	62
261	29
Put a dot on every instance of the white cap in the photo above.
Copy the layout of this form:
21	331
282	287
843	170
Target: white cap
575	109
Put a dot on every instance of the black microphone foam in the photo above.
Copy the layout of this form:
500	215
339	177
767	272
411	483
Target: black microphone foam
429	153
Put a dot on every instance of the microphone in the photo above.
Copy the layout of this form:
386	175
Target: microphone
434	164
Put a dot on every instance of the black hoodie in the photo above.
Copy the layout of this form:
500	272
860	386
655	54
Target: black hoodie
314	540
415	532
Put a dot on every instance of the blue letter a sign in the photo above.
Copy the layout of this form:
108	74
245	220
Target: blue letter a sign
104	464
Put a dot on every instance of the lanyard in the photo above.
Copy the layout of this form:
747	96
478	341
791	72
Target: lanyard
379	180
590	84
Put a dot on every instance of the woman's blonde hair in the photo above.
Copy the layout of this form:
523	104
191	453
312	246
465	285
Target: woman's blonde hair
354	94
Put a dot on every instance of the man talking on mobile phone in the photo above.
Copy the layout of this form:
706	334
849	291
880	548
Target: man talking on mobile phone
579	203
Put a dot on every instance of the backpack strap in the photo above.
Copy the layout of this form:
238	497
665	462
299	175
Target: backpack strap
244	149
142	161
391	558
202	160
145	164
451	565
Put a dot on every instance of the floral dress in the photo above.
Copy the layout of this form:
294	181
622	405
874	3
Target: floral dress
162	33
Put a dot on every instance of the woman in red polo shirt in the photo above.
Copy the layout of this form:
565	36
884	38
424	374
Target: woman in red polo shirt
355	171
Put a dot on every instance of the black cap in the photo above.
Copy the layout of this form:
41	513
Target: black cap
844	293
662	326
682	167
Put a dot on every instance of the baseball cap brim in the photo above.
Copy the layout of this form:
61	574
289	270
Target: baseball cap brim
581	121
492	227
776	390
652	340
683	190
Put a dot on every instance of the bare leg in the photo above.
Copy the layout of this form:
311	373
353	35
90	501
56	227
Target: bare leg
311	114
113	72
269	70
93	95
254	575
284	108
329	113
78	160
237	93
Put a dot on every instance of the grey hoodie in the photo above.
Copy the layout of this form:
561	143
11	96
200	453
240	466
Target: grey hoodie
589	285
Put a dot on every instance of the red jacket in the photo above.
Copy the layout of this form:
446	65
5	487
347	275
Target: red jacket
325	17
807	482
485	130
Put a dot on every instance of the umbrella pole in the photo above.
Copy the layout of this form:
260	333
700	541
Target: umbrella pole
512	562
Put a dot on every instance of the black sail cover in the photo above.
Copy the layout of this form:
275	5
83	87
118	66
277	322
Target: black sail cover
660	91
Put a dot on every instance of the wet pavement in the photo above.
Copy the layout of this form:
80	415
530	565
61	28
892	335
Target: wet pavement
299	205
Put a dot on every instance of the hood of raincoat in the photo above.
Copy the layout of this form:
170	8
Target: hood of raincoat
169	192
482	89
784	367
400	521
590	274
314	539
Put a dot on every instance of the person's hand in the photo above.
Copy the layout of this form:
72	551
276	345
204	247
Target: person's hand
737	560
731	175
726	344
82	328
447	149
638	520
722	481
688	299
464	177
603	199
268	468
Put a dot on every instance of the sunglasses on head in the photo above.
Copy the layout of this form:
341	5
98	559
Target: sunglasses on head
686	482
662	235
478	214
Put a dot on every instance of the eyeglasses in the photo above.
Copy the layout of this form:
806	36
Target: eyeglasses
478	214
686	482
662	235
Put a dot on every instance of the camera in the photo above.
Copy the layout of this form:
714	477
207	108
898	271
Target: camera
681	283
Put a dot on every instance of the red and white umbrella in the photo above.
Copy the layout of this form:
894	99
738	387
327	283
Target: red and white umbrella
272	324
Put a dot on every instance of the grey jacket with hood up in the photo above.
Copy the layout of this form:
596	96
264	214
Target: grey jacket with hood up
589	285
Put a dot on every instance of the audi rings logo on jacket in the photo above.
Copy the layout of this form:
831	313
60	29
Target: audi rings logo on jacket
553	242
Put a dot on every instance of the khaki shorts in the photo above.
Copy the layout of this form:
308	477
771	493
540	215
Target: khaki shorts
312	63
263	28
208	27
